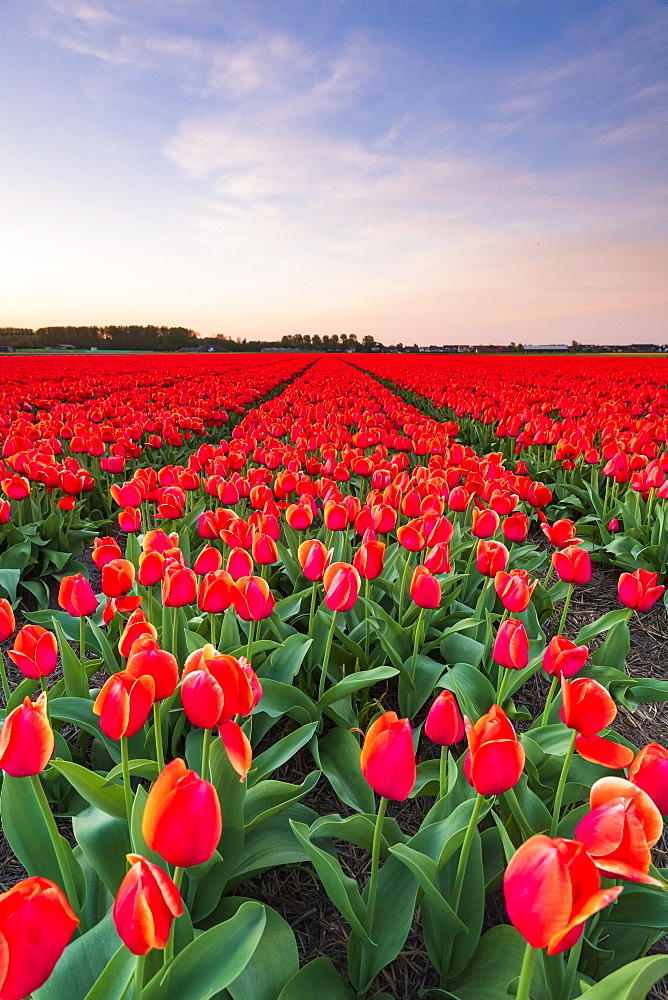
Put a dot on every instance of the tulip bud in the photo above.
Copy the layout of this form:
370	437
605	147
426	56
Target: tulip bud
182	819
639	590
146	903
495	758
342	585
563	658
425	590
26	740
76	596
514	589
35	651
444	724
511	647
124	704
573	565
387	758
36	923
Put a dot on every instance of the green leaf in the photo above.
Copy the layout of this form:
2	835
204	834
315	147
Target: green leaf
105	841
343	891
283	699
115	978
93	787
339	753
214	959
355	682
601	624
318	980
359	830
9	581
273	963
496	962
24	690
279	753
458	648
106	650
426	872
268	798
633	982
427	673
272	845
470	687
79	711
284	662
76	681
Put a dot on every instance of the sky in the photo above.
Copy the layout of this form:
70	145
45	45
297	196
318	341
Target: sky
424	171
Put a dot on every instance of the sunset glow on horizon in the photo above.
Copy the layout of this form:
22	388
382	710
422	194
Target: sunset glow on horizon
425	171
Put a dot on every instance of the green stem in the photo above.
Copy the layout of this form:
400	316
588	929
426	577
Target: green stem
366	621
443	773
564	612
562	784
325	659
526	975
417	641
175	632
550	695
373	889
404	578
206	746
169	949
3	677
127	788
139	976
518	815
505	672
59	848
464	854
571	968
158	735
547	576
249	648
82	641
212	628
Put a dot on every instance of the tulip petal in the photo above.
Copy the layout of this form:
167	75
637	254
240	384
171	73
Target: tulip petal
598	901
537	891
237	746
496	766
601	751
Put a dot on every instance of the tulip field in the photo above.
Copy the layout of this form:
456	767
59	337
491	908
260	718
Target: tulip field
298	616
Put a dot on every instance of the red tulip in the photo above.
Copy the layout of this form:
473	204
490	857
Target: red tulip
551	888
514	589
182	819
563	658
515	527
342	586
216	592
252	598
35	651
151	567
26	740
76	596
411	536
313	559
437	559
425	590
484	523
118	575
136	626
587	707
7	622
491	557
239	563
146	658
208	561
179	586
495	758
369	558
146	903
649	771
561	534
639	590
573	565
104	550
622	827
124	704
36	923
444	724
388	759
511	646
129	519
264	550
15	487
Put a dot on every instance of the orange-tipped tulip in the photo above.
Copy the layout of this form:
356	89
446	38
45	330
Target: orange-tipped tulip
136	626
36	923
388	758
26	740
182	818
216	591
179	586
146	903
495	759
208	561
313	559
552	887
124	704
146	658
35	651
252	598
118	575
622	827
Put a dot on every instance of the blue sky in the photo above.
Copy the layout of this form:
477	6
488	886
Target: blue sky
421	170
